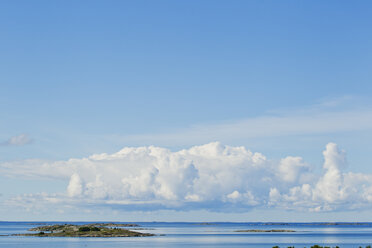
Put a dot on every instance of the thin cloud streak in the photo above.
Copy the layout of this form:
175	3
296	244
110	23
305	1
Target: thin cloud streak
318	122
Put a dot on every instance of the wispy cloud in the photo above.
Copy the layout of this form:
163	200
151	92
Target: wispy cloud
19	140
271	125
335	115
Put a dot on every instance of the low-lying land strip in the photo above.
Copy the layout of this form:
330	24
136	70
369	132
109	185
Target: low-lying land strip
260	230
88	230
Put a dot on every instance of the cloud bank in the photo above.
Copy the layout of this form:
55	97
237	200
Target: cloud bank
212	176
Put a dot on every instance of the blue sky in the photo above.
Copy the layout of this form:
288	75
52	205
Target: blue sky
281	78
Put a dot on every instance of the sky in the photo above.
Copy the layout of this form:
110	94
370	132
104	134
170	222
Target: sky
185	110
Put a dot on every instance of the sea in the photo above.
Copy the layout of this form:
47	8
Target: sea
189	234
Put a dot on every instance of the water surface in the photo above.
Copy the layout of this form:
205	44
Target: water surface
220	234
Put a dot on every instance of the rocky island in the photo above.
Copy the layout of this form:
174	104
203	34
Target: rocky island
88	230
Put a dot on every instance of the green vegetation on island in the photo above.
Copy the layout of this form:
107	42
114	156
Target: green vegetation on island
88	230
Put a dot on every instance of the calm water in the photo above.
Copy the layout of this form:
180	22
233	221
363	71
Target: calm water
197	235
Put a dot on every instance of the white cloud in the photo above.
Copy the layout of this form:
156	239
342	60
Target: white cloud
330	186
74	187
211	176
332	191
292	168
19	140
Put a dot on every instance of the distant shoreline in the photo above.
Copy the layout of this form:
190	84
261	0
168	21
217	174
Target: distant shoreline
264	231
341	223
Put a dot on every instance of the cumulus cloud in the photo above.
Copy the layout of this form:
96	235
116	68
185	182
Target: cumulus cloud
292	169
19	140
333	190
74	187
211	176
